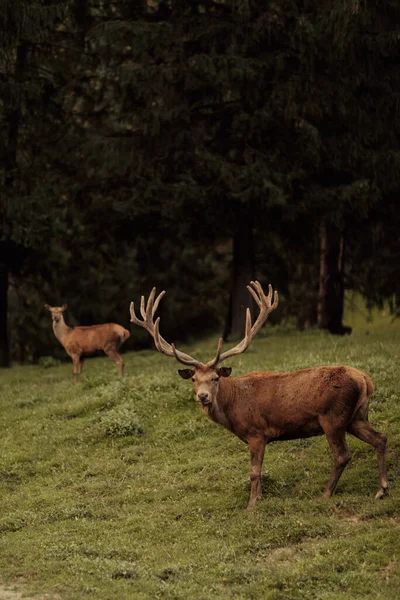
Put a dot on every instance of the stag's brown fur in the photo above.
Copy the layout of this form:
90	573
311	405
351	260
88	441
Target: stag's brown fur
264	406
282	406
84	341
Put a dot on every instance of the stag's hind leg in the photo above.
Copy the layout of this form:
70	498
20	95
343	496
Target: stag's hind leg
337	441
363	431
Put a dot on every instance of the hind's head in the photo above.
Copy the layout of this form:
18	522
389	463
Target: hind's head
56	312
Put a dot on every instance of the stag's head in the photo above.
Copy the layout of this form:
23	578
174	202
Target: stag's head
206	381
205	376
56	312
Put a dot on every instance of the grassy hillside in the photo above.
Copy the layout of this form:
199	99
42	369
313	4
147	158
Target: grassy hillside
365	320
121	488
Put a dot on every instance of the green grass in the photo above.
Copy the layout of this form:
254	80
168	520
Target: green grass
122	488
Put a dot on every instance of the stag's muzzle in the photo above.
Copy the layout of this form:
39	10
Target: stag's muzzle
204	397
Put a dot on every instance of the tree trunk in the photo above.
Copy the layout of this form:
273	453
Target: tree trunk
4	343
331	280
242	274
13	118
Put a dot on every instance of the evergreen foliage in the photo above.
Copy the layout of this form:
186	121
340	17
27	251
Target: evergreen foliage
143	139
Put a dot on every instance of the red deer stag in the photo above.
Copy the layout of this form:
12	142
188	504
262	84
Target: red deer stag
264	406
85	341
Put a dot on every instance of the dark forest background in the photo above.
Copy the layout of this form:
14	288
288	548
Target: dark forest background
194	145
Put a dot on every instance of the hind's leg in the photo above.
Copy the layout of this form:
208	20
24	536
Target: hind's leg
76	362
113	354
363	431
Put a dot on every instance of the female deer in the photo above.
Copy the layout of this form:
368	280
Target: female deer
85	341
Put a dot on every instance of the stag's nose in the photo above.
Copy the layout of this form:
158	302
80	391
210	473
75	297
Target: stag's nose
203	397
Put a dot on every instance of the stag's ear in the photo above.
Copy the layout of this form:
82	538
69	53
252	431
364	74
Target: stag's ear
224	371
64	306
186	373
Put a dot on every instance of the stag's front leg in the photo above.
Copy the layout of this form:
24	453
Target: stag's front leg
257	449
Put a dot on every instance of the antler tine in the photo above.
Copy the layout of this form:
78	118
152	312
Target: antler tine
170	350
148	311
142	308
258	292
265	306
264	303
157	302
255	295
269	297
276	301
185	358
158	339
134	318
244	344
160	343
216	359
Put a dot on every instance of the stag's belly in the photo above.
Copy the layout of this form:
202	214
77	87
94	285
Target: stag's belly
274	431
309	429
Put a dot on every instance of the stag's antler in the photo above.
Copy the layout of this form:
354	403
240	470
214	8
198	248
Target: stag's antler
266	307
152	327
264	303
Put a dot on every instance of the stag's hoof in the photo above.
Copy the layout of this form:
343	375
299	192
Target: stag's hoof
380	494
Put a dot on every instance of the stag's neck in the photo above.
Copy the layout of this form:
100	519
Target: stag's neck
61	329
221	409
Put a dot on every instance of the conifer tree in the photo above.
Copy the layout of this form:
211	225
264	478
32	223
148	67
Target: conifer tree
168	141
26	89
234	113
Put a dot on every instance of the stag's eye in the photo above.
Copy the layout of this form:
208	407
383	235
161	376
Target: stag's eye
193	379
215	379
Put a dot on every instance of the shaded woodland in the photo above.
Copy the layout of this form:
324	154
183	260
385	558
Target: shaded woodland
194	145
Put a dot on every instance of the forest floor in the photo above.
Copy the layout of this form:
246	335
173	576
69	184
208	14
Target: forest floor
122	488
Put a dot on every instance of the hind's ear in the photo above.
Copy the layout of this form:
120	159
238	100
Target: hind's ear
64	306
224	371
186	373
47	307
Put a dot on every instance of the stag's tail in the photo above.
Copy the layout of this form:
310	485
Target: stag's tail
125	335
361	412
370	385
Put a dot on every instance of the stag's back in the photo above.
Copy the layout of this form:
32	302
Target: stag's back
291	403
